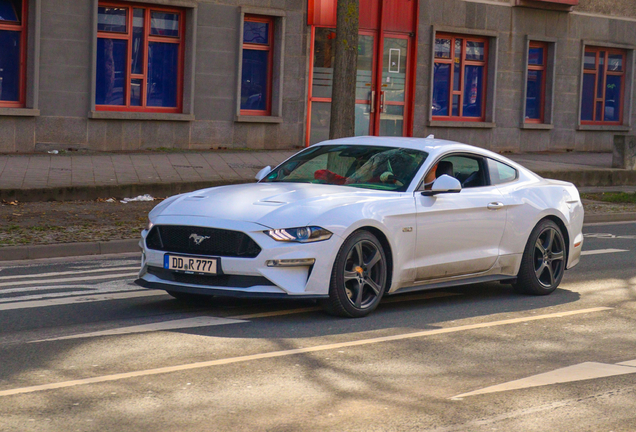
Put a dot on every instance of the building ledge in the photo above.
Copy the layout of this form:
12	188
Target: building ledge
124	115
461	124
537	126
557	5
604	128
258	119
19	112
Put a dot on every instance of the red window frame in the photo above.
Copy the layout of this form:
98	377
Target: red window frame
608	51
269	47
21	27
542	69
463	64
148	37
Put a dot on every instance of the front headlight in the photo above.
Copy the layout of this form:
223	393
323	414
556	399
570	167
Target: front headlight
300	235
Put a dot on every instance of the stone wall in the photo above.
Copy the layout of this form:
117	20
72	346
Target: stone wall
617	8
65	86
512	26
65	79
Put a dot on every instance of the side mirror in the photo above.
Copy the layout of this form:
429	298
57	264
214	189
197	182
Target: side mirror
263	173
444	184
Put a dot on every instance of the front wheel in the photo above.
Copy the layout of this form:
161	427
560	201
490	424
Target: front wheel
543	262
359	277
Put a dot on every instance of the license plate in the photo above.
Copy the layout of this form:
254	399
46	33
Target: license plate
190	264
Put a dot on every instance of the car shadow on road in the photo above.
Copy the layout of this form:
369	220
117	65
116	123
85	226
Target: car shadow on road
418	311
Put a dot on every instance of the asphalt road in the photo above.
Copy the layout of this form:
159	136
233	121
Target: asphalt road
82	349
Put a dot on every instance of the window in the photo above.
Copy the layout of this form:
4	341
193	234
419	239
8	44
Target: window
13	42
367	167
459	78
500	173
603	86
256	66
468	170
536	82
139	58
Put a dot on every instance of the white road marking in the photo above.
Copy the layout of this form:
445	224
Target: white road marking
75	272
76	279
609	236
195	322
603	251
609	223
202	321
276	354
580	372
78	300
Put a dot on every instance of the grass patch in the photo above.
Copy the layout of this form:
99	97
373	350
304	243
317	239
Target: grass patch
612	197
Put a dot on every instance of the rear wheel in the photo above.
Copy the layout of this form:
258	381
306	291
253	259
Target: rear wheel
543	262
359	277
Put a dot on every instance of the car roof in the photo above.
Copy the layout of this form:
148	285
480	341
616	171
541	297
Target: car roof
434	147
430	145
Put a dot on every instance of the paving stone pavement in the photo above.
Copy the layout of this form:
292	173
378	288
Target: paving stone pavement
52	171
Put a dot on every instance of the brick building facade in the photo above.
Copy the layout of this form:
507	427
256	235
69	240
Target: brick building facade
508	75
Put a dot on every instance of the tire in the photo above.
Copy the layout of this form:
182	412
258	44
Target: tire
187	297
359	277
544	260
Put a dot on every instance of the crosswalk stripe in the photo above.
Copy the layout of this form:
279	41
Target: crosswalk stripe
202	321
80	299
64	273
603	251
76	279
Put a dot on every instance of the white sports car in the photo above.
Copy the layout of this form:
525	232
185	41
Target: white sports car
351	220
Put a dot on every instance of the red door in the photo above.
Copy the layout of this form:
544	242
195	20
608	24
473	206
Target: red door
382	86
386	60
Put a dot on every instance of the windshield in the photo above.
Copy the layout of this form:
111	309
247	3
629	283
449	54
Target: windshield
380	168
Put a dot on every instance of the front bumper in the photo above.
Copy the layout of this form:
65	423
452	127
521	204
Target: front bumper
246	277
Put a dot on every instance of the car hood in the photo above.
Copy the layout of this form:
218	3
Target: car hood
274	205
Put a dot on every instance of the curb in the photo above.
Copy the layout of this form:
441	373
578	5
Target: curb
89	193
62	250
609	217
20	253
593	177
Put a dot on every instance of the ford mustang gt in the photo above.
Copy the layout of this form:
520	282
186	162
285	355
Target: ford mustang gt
349	221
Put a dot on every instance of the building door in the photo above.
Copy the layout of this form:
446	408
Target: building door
393	86
382	84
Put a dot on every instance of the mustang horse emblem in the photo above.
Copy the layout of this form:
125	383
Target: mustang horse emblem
198	239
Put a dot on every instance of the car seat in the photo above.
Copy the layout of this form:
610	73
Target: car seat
473	180
444	167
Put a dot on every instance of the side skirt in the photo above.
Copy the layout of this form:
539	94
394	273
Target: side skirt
457	282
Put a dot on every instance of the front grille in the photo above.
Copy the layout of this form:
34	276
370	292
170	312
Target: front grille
229	281
219	242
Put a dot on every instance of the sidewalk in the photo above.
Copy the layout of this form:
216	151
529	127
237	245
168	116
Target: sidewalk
72	176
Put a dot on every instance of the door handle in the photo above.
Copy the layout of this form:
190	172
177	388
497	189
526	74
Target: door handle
495	206
372	101
382	106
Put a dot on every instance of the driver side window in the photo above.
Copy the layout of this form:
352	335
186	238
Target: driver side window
468	170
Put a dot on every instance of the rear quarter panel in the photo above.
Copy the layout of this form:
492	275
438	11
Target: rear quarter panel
528	201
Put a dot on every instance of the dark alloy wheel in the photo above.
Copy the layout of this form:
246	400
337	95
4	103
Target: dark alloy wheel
543	262
359	277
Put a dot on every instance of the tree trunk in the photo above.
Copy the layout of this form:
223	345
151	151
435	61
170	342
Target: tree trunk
343	98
